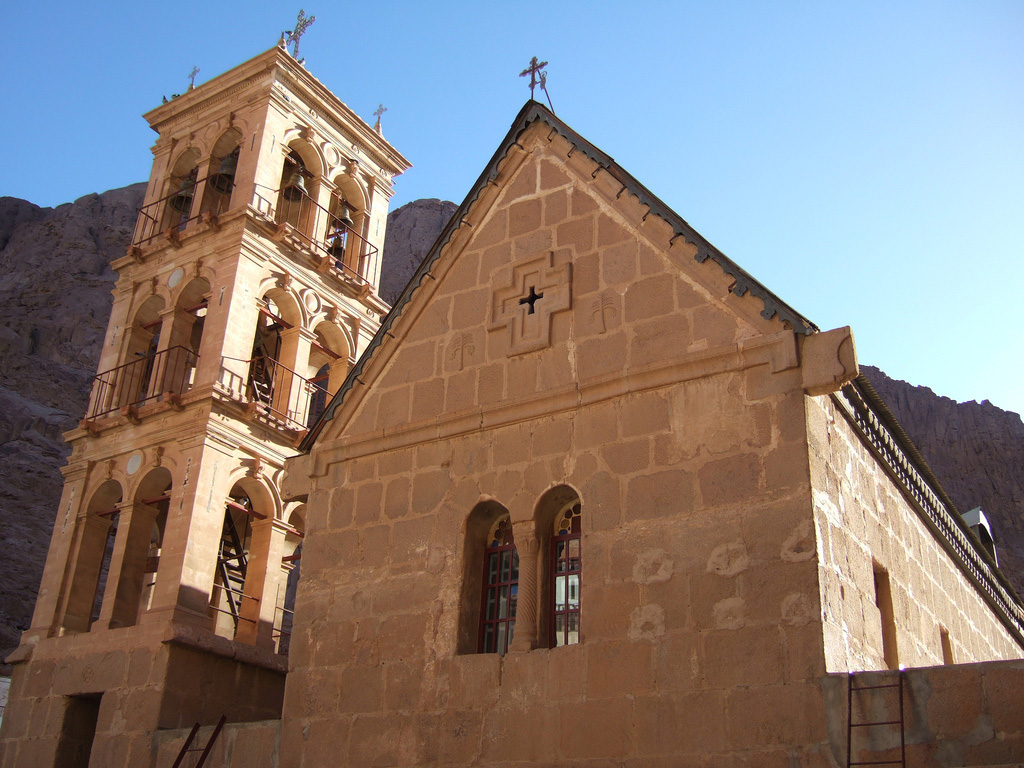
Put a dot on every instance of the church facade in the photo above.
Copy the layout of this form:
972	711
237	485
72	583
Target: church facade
590	495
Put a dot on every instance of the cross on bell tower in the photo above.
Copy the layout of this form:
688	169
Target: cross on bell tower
300	28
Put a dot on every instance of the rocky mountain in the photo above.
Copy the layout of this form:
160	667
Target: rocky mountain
55	283
412	229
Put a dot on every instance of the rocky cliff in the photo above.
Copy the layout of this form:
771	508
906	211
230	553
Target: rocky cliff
55	283
412	229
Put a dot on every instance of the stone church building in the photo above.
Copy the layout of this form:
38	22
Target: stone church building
588	495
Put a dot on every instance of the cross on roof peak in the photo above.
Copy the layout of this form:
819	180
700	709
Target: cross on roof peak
301	23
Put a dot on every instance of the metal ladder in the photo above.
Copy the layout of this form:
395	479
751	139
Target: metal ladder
187	747
850	724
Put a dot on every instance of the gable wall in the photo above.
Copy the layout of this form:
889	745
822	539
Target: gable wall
701	629
861	517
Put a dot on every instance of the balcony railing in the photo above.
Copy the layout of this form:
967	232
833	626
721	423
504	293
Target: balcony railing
172	213
145	378
276	392
341	248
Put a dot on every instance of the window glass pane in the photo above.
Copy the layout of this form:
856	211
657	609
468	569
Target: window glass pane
502	602
489	606
506	561
560	593
492	568
573	629
515	565
515	601
488	638
560	629
574	554
501	637
574	591
560	556
511	631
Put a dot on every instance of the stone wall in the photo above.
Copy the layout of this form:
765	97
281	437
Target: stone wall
671	408
238	745
864	521
954	716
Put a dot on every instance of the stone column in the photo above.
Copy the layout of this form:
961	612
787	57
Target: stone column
527	616
262	583
59	558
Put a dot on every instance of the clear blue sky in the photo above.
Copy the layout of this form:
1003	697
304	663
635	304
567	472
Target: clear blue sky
864	160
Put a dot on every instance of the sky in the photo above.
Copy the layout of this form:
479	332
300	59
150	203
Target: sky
864	161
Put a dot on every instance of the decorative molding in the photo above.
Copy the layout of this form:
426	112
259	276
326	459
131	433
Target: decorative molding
531	294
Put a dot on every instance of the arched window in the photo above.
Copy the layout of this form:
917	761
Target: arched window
265	373
346	230
296	199
566	569
291	562
223	165
181	190
94	541
131	383
500	593
232	563
143	539
186	336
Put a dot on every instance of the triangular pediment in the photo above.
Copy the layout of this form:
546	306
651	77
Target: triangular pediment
559	270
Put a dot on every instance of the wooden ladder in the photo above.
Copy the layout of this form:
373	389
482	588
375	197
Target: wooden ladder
187	746
850	724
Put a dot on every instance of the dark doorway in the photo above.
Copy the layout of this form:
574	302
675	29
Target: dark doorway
78	731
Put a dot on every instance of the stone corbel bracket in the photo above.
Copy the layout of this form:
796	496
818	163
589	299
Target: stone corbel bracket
828	361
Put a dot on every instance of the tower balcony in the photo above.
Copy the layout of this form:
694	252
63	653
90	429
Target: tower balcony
165	374
274	393
328	237
168	218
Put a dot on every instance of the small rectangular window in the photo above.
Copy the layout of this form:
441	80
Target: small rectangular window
947	646
883	601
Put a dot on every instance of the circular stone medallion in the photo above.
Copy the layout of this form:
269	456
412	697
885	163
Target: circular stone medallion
134	463
175	278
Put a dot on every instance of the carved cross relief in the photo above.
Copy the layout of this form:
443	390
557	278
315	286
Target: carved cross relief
535	291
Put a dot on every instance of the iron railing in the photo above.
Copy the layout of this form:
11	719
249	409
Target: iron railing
162	218
277	392
145	378
344	249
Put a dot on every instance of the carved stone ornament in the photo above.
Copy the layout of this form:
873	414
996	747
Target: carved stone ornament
535	291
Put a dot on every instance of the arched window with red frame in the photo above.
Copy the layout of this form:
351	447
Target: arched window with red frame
500	592
566	571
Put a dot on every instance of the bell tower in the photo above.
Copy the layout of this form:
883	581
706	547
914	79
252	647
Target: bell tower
249	289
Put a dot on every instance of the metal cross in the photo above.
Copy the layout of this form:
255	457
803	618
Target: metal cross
532	71
192	78
381	109
531	299
300	27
